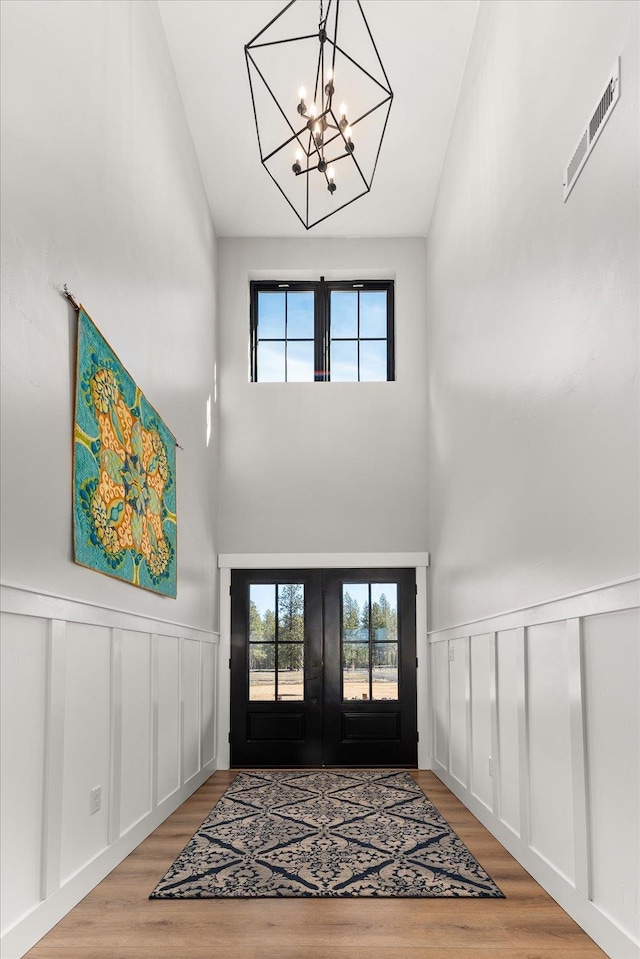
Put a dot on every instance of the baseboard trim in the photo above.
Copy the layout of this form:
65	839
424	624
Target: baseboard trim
26	932
599	927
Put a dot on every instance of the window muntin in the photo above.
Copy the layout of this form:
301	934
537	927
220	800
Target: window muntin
276	642
369	627
358	324
324	331
284	336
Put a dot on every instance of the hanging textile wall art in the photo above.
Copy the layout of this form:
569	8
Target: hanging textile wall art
124	472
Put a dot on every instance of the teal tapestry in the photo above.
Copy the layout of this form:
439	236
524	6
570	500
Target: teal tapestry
124	472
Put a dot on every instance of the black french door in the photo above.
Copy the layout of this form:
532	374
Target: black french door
323	668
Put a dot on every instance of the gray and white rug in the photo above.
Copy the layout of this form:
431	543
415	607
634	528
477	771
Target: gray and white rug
329	834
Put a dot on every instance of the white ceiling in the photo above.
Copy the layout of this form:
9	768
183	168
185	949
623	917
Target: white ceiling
423	45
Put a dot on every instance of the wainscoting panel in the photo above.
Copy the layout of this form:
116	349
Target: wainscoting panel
481	749
86	756
611	646
440	687
551	810
23	672
168	736
135	763
208	698
552	693
507	709
458	681
190	708
92	698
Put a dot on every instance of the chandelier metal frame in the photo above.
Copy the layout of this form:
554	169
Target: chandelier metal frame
326	136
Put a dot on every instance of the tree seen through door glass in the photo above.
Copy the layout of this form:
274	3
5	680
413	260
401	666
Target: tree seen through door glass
276	642
370	641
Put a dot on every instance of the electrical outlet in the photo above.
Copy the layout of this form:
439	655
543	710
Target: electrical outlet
490	766
95	800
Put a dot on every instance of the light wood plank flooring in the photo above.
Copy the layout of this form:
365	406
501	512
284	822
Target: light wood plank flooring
117	920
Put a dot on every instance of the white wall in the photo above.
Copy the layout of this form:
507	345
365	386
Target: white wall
101	190
532	309
322	467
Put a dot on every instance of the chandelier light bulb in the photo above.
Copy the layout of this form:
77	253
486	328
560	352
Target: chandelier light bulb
343	110
298	154
328	87
349	142
312	110
302	93
331	174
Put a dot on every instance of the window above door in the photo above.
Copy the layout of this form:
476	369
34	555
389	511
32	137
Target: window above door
322	331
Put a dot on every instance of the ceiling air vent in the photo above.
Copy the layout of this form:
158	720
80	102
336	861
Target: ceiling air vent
593	129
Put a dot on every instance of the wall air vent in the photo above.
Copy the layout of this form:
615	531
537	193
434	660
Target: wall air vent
592	130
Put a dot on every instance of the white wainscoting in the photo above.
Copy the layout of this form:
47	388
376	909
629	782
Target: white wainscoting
550	694
92	697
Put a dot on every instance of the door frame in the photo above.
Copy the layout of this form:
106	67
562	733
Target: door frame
229	561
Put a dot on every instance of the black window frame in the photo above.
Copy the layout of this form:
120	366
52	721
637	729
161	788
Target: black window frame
322	290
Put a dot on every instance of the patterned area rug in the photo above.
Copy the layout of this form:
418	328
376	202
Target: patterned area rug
331	834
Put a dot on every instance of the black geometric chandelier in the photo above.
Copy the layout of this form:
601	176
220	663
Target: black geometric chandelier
321	149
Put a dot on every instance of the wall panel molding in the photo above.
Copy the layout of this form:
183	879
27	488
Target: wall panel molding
53	757
577	719
24	601
605	598
518	641
19	605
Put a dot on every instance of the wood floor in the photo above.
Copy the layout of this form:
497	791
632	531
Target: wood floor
117	920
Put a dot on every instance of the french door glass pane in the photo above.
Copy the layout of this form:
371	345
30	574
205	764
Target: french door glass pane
262	612
290	672
262	674
369	641
276	641
384	612
291	613
384	671
355	682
